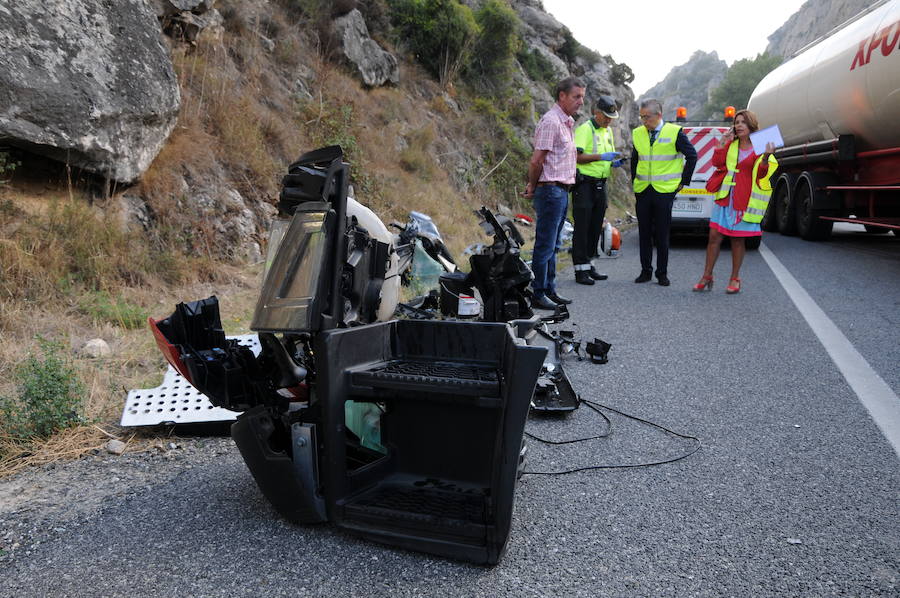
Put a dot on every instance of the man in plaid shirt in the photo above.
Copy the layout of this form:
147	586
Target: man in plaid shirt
551	173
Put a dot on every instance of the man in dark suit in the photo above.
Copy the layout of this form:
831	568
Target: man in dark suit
662	162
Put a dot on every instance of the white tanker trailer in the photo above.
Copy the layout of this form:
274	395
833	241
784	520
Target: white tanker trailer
837	103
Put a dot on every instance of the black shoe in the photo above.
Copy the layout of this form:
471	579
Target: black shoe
663	280
543	302
559	298
644	277
583	277
597	276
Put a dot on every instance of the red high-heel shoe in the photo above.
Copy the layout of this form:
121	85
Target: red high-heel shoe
705	283
731	289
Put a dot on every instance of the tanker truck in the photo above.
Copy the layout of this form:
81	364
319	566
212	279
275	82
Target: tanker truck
837	104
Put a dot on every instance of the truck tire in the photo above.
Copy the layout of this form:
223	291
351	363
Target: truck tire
808	199
785	208
783	184
876	230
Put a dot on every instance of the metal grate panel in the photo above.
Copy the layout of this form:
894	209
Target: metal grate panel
476	378
175	401
421	504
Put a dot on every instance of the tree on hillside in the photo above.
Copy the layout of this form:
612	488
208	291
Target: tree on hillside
440	33
491	63
740	81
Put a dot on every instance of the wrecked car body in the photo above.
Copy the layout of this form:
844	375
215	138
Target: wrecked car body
407	432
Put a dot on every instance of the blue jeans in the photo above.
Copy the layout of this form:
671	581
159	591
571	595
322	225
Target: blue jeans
550	203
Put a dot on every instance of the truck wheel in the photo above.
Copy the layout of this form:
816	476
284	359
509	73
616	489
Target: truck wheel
783	184
785	208
808	196
752	243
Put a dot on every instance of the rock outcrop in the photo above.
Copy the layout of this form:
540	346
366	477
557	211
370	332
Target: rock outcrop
374	65
546	36
689	85
88	83
814	19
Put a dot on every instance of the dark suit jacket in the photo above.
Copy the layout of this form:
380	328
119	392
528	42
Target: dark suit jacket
685	147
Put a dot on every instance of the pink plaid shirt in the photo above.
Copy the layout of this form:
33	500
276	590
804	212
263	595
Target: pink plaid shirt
555	133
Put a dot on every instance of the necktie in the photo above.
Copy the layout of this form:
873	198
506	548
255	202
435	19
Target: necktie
652	136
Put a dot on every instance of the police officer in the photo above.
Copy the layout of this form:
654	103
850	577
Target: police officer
595	145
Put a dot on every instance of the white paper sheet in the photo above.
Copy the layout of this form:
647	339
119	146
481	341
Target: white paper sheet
764	136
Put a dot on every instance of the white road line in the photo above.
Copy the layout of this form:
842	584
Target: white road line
873	392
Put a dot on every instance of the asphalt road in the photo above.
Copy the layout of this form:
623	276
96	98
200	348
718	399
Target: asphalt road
794	492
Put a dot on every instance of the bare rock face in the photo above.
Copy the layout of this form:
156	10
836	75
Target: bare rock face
813	20
375	65
190	20
191	27
540	26
689	85
88	82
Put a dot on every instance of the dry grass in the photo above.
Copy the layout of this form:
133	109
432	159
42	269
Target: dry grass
68	244
64	446
54	255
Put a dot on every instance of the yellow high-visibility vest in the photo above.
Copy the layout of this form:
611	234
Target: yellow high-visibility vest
659	165
760	192
594	141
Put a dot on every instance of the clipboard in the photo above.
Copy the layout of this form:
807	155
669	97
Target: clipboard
760	138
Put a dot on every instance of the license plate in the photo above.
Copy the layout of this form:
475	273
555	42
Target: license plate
688	206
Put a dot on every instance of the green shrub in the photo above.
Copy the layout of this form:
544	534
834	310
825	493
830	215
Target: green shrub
621	73
101	307
7	166
572	49
491	63
440	33
569	48
329	124
537	67
49	396
739	82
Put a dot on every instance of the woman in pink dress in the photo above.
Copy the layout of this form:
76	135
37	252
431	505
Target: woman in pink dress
727	218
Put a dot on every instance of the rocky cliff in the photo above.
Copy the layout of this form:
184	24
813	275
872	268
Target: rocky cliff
689	85
813	20
88	83
252	84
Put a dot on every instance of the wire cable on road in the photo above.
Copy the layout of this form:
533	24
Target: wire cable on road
558	442
596	407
